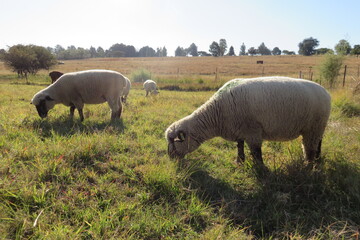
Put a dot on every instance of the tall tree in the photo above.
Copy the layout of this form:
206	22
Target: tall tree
100	52
307	46
343	47
231	51
159	52
164	51
356	50
252	51
180	52
215	49
276	51
263	50
147	52
193	50
223	46
242	50
93	52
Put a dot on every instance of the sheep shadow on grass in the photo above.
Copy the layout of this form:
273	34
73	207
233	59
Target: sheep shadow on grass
292	200
65	126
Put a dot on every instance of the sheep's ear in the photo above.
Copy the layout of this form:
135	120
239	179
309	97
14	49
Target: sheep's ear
49	98
180	137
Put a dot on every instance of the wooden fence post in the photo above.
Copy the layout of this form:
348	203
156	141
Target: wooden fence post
300	74
344	76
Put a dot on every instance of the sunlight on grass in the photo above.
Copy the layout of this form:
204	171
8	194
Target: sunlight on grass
66	179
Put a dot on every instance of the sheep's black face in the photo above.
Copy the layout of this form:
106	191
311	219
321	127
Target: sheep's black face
181	144
44	105
42	109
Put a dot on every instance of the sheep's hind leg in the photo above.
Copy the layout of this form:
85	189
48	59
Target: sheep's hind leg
81	114
241	154
72	110
311	148
318	152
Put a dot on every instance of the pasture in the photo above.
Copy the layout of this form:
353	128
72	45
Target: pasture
66	179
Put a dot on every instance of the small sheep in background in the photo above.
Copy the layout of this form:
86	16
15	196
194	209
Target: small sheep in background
150	87
76	89
253	110
54	75
126	90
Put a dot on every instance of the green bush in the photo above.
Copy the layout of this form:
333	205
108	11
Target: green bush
330	68
347	107
140	75
28	59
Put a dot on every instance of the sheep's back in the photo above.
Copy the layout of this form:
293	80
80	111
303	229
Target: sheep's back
149	85
283	107
93	86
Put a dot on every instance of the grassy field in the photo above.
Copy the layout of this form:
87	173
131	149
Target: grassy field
63	179
191	73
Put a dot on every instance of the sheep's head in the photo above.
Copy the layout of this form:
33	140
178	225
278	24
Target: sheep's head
180	140
43	104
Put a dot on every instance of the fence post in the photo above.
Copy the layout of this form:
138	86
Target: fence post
300	74
216	74
344	76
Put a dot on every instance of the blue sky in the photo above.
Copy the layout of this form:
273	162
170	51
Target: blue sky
158	23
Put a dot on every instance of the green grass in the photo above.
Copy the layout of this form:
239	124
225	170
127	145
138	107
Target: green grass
63	179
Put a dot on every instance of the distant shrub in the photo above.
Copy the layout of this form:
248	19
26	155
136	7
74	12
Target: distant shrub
140	75
330	68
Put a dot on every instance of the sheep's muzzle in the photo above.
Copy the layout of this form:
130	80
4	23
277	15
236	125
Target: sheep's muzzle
172	151
41	109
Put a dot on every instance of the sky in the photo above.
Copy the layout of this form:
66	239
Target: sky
173	23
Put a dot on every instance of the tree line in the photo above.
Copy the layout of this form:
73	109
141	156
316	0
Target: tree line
29	59
307	47
116	50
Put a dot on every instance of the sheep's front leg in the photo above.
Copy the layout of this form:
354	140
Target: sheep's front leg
79	105
116	109
260	169
241	154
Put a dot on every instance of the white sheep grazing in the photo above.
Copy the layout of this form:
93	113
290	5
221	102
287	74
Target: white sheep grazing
253	110
150	87
76	89
126	90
